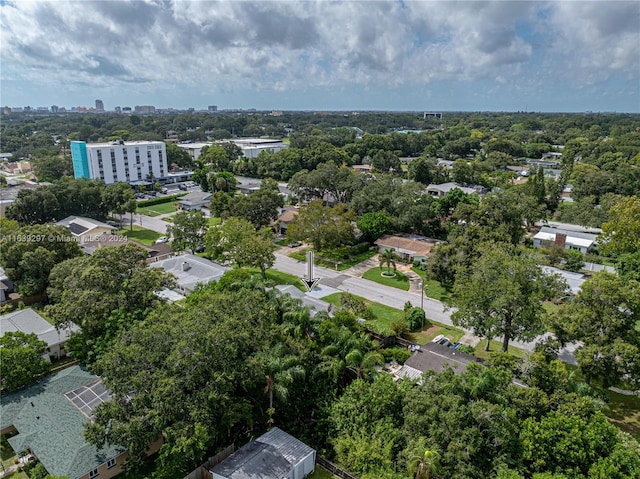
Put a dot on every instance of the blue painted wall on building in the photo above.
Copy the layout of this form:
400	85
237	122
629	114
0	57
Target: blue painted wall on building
80	160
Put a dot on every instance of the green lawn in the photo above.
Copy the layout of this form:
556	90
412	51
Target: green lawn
385	315
156	210
432	288
624	412
496	346
320	473
213	221
8	455
399	281
278	277
140	234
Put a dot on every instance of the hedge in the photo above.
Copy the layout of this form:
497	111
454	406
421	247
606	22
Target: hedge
160	200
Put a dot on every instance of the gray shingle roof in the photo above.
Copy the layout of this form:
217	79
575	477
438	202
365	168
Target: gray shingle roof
435	357
28	321
51	426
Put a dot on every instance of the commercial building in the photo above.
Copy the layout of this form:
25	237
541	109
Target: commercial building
99	105
130	161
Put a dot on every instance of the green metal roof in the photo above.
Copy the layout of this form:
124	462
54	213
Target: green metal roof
51	426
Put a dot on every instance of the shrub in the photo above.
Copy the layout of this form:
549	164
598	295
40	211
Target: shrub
465	348
161	200
399	355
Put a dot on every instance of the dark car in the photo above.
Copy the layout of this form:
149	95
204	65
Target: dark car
199	249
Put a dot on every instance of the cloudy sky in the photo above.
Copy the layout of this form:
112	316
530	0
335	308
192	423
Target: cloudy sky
327	55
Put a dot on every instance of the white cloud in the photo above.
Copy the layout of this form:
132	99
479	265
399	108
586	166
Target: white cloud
292	45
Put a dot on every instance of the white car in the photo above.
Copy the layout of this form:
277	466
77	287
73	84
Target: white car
162	239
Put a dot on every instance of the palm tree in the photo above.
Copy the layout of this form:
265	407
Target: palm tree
389	258
361	363
280	372
300	323
427	464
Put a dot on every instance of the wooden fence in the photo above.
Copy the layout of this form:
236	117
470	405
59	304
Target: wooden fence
332	468
202	471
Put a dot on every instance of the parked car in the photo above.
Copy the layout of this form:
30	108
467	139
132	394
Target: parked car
162	239
199	249
115	224
295	244
442	340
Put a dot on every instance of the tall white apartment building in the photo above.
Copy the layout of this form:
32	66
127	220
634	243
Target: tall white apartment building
134	162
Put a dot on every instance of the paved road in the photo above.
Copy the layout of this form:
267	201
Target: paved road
151	223
347	281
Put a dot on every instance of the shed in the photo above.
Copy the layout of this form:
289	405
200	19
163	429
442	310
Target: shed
274	455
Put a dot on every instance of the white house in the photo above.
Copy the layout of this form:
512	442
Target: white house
190	270
548	237
128	161
28	321
444	188
274	455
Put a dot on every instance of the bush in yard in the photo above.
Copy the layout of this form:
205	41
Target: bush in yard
415	318
465	348
399	355
574	261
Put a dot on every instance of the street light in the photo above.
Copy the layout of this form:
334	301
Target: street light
420	285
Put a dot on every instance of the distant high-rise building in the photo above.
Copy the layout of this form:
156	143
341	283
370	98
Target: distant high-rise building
54	109
118	109
145	109
126	110
99	105
212	108
6	110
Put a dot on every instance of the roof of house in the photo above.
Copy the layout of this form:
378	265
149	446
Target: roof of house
413	244
287	215
79	225
50	425
547	233
436	357
196	270
272	455
196	198
314	304
570	227
574	280
447	187
29	321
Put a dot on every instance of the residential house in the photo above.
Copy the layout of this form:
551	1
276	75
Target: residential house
283	220
363	168
28	321
443	189
550	236
49	418
410	248
434	357
190	270
195	201
315	305
86	230
274	455
574	280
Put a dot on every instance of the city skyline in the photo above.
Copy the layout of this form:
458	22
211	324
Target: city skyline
304	55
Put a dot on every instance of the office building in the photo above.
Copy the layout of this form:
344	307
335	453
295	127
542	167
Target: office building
134	162
99	105
145	109
212	108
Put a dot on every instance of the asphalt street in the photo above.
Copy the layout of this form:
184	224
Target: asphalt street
345	282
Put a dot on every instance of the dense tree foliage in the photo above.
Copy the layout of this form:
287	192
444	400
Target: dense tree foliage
103	293
28	254
323	226
21	359
187	230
